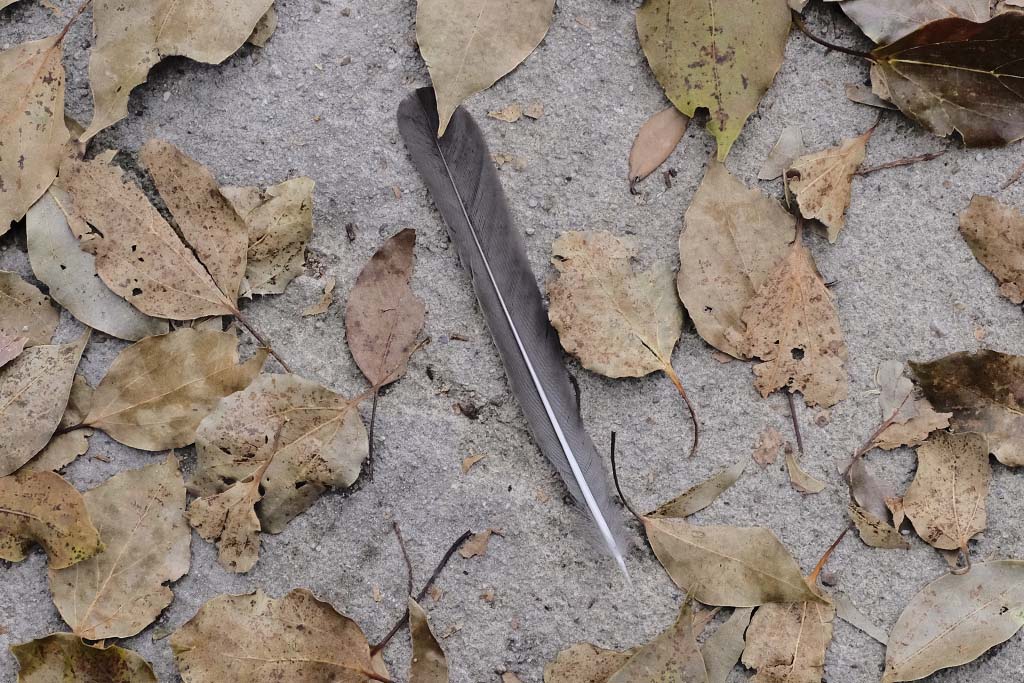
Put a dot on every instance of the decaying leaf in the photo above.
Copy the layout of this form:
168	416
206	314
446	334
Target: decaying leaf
280	443
875	532
789	146
768	446
655	142
65	448
995	234
722	649
794	328
10	347
985	393
65	657
429	664
477	544
40	507
120	591
326	299
703	494
468	46
280	223
733	239
956	618
31	124
264	28
715	55
801	480
912	416
130	39
585	663
724	565
383	315
70	273
884	23
871	505
158	390
786	643
946	500
862	94
509	114
469	461
672	657
25	311
34	390
822	182
218	644
954	74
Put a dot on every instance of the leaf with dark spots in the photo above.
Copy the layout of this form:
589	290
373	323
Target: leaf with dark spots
25	311
66	657
672	657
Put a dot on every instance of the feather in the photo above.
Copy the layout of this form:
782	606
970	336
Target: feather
464	185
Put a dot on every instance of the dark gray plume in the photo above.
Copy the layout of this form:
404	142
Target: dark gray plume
460	175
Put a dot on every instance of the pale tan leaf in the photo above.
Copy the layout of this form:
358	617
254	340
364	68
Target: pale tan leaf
229	518
25	311
885	23
10	348
120	591
786	643
61	657
158	390
585	663
672	657
722	649
429	664
65	448
655	142
509	114
326	299
875	532
768	446
789	146
476	544
913	417
534	110
469	461
733	239
848	612
801	480
468	46
822	181
40	507
995	233
862	94
703	494
264	28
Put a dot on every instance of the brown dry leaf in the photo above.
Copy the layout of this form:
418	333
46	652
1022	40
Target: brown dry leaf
384	316
793	326
471	460
326	299
280	444
429	664
534	110
655	142
995	234
34	390
786	643
801	480
62	657
280	224
946	500
983	391
10	348
585	663
31	124
912	416
158	390
509	114
672	657
871	506
25	311
875	532
821	182
264	28
120	591
789	146
64	448
703	494
40	507
130	39
509	677
722	649
477	543
725	565
768	446
733	239
219	642
862	94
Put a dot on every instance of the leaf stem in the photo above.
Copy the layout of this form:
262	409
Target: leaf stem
813	577
906	161
260	338
689	406
1014	177
67	27
796	425
405	556
799	23
618	488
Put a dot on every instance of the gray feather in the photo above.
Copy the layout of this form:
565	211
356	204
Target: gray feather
464	185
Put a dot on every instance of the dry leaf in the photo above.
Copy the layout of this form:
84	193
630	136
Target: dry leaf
862	94
534	110
264	28
768	446
40	507
477	543
64	448
672	657
280	443
655	142
722	649
31	124
25	311
913	417
326	299
585	663
34	390
801	480
219	642
848	612
875	532
716	55
822	181
158	390
724	565
65	657
946	500
789	146
995	233
429	664
733	239
786	643
10	348
703	494
982	390
509	114
384	316
469	461
120	591
794	328
956	618
883	24
130	39
468	46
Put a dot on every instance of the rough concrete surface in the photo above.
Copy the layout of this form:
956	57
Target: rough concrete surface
905	282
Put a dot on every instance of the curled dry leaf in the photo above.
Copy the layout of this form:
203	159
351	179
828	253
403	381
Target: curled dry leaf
280	443
25	311
984	393
64	448
468	46
120	591
869	507
722	649
585	663
911	417
768	446
789	146
954	74
40	507
715	55
882	24
672	657
734	238
383	315
326	299
655	142
995	234
875	532
131	39
254	638
429	664
801	480
65	657
703	494
34	390
946	500
157	391
786	643
822	182
956	618
31	124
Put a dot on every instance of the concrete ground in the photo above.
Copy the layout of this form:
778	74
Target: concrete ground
320	100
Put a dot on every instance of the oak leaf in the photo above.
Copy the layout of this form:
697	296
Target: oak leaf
822	182
786	643
655	142
995	234
25	311
429	664
66	657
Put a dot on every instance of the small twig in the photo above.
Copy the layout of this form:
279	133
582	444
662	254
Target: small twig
618	489
689	406
799	22
1013	178
796	425
813	577
405	556
67	27
261	339
373	422
907	161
